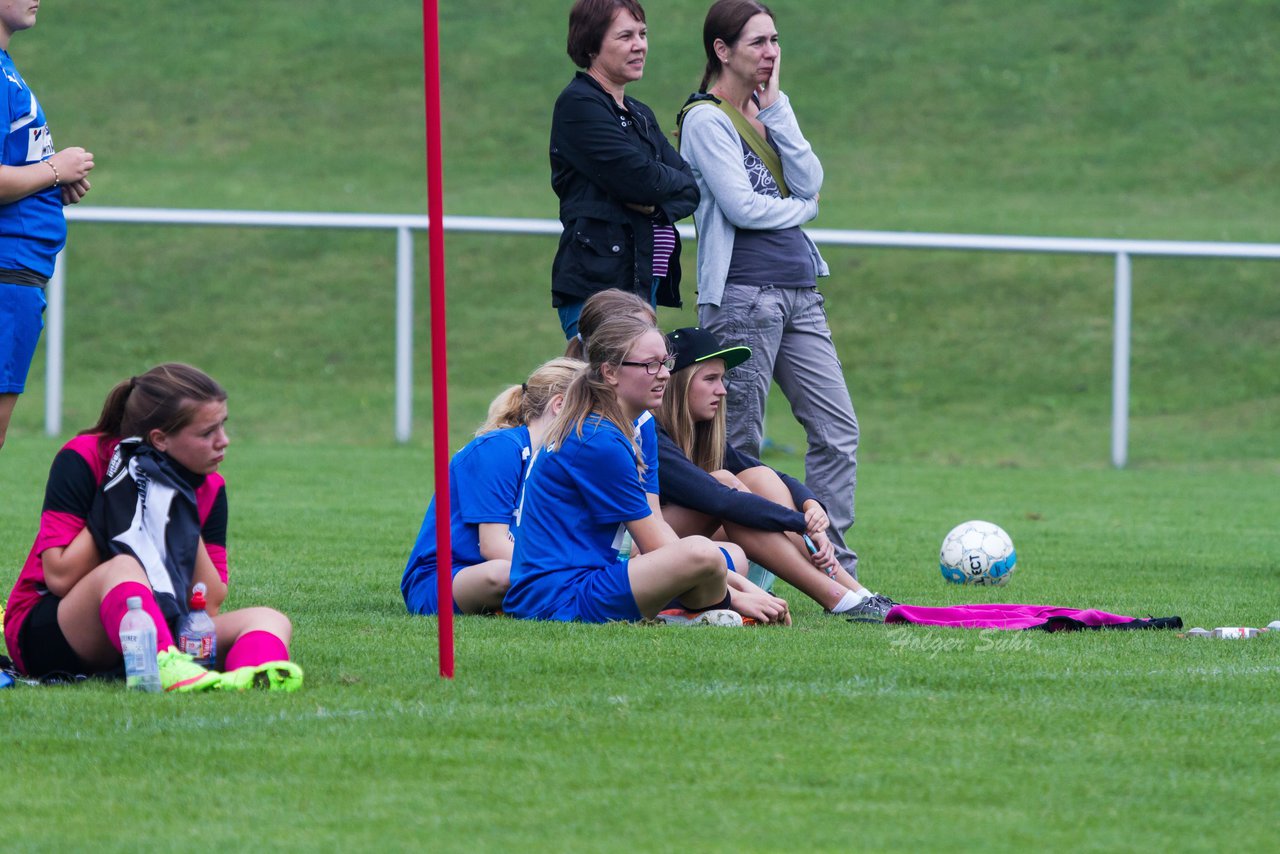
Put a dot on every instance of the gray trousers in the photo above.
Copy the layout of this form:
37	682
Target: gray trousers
786	329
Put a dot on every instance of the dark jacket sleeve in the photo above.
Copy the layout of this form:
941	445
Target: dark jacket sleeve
683	483
685	203
736	461
587	133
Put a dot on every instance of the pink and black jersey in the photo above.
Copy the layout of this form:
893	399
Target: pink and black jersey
75	477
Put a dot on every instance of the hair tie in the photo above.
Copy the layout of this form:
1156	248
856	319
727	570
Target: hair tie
524	388
133	382
581	340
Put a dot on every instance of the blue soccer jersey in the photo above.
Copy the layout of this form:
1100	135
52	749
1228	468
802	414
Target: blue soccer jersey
32	229
576	502
484	486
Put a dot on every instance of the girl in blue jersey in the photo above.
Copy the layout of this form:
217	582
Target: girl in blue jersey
614	302
601	305
585	490
35	183
484	486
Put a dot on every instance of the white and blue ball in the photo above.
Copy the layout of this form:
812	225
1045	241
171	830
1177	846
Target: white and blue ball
977	552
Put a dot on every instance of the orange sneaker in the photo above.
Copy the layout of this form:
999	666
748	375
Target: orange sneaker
713	617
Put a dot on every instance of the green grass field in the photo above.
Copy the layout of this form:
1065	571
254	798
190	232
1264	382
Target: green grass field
982	384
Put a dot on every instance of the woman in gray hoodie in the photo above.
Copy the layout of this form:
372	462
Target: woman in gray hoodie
757	270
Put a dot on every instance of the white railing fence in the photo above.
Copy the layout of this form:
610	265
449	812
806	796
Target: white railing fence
405	225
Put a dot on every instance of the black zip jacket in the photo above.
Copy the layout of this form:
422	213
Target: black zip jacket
681	482
602	157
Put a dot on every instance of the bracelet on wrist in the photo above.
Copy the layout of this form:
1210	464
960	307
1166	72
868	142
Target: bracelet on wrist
57	179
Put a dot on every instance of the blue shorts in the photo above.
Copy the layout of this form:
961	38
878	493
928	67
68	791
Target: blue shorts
21	321
421	596
600	596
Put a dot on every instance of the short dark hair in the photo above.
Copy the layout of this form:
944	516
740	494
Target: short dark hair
589	20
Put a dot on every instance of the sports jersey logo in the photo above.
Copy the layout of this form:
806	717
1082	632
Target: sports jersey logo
13	77
39	144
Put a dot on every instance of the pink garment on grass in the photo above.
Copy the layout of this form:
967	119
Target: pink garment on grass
1001	616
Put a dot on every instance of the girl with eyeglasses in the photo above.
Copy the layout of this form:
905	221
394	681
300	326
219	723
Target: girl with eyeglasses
598	307
585	491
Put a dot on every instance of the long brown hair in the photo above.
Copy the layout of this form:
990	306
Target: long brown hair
701	441
164	398
725	20
590	394
520	404
601	305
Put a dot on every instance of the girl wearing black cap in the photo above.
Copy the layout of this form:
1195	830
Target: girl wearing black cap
706	483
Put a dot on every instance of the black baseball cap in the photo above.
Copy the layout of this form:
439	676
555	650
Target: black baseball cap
693	344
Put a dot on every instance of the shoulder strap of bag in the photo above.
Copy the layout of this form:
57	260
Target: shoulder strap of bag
758	144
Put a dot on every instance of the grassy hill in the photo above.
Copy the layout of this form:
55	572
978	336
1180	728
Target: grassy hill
1121	119
982	383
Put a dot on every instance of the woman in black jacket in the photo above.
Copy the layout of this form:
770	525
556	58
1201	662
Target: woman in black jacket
622	187
706	484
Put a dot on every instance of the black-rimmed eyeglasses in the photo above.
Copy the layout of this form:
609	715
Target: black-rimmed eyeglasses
652	368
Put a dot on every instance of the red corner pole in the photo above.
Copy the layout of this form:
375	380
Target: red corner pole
439	351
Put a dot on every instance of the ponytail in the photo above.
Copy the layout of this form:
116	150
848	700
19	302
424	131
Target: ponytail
586	396
712	69
518	405
504	411
112	414
575	349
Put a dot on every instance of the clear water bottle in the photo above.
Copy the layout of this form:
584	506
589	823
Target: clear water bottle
760	576
138	643
196	635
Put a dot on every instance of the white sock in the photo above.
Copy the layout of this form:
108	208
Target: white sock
850	599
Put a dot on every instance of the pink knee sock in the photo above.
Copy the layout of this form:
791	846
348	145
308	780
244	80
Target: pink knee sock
115	605
254	648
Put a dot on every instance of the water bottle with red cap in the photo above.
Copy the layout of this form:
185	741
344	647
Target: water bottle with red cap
196	634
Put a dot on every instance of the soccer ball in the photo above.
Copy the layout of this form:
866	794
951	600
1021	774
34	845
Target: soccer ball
977	553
